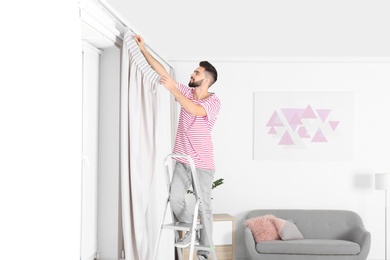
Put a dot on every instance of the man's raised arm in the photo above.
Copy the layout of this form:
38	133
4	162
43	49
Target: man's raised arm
156	65
168	82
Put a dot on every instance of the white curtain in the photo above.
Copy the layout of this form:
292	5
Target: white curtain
145	140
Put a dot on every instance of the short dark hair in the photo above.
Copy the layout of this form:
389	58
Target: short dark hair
210	69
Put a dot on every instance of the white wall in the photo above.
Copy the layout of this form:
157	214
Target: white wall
40	133
253	184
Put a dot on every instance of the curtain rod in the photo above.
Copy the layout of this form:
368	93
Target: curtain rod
125	25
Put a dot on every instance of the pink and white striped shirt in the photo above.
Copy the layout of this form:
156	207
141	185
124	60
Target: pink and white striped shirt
193	136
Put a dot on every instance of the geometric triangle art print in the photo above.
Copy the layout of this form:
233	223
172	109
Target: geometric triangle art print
304	125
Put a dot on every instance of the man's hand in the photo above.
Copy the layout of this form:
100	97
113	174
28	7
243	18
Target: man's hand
171	85
140	41
156	65
168	82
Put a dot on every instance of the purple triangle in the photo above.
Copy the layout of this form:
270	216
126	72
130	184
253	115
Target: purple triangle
272	131
334	124
275	120
323	113
294	122
309	113
286	139
289	113
319	137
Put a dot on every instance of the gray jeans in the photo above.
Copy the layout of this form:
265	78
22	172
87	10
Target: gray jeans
181	182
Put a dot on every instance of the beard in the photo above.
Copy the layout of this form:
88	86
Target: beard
195	84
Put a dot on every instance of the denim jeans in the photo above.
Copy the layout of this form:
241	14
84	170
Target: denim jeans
181	182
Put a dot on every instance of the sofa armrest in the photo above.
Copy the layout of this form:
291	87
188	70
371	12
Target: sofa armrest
366	244
361	236
250	243
364	240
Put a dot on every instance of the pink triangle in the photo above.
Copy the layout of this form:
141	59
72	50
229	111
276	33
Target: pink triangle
302	132
319	137
295	121
334	124
323	113
286	139
289	113
272	131
309	113
275	120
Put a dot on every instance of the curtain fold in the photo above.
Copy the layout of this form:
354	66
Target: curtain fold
141	151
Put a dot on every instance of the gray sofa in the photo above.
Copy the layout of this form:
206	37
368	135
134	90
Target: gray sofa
328	234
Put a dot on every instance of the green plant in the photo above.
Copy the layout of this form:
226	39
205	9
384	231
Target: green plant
215	184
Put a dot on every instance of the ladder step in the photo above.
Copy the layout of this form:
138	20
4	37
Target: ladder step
204	247
181	226
200	247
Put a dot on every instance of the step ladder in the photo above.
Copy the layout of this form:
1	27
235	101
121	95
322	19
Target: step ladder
176	226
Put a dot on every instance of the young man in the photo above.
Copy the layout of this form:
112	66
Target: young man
199	111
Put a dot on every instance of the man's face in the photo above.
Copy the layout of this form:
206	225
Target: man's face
197	78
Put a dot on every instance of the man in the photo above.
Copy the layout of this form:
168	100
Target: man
199	111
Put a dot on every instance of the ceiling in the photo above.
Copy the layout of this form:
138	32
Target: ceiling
257	29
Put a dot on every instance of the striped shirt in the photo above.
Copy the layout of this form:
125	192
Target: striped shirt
193	136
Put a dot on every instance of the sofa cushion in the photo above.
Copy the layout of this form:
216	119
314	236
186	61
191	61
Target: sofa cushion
287	230
263	228
309	247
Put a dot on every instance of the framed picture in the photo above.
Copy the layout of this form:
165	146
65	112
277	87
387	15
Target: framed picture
304	125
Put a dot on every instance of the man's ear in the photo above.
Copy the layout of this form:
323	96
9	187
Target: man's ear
207	81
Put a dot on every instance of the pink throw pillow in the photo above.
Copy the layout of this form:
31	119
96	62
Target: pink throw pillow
263	228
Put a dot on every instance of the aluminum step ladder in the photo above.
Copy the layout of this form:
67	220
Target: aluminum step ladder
176	226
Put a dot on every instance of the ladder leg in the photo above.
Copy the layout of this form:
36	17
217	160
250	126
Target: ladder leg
193	229
179	253
179	250
160	230
192	247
